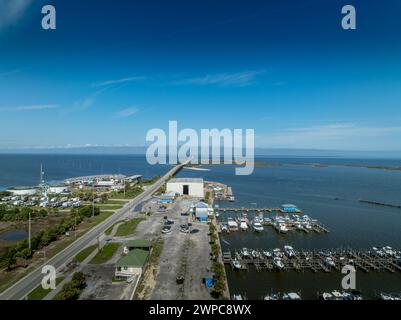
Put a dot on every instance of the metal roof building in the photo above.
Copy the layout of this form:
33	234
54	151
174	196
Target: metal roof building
186	186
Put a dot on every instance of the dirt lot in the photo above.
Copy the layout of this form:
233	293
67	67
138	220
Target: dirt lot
99	283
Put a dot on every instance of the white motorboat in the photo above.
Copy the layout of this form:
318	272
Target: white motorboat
282	228
245	253
232	225
236	264
299	226
291	296
388	251
327	296
271	297
386	296
255	254
289	251
308	226
267	221
243	225
277	252
267	254
257	226
337	295
330	262
278	263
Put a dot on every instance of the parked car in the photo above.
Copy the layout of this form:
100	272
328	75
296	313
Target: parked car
168	222
184	228
166	229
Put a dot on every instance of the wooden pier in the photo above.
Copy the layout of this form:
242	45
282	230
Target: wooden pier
315	261
258	210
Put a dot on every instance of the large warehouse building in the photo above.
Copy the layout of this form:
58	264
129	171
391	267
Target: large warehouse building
186	186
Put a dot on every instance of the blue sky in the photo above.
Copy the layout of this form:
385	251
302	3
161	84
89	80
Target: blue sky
115	69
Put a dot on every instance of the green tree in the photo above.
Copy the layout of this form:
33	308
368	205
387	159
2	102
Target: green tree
9	260
25	254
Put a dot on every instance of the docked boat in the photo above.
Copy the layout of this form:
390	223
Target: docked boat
298	226
238	297
236	264
267	221
232	225
224	228
386	296
291	296
243	225
388	251
245	253
257	226
290	252
267	254
282	228
337	295
278	263
255	254
272	296
277	253
329	262
327	296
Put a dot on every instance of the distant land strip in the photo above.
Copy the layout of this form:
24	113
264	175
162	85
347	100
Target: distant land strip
375	167
317	165
380	203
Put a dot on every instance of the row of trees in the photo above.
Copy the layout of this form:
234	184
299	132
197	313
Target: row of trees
8	258
73	289
20	214
217	266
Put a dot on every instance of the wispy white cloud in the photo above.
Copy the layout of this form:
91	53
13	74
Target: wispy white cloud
128	112
10	72
222	79
118	81
338	135
84	104
31	107
11	11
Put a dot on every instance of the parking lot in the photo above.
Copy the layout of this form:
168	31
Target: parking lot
184	255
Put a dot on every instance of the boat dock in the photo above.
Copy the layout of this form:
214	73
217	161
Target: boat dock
315	261
280	210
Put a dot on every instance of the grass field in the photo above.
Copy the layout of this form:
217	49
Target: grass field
127	228
8	278
118	202
39	293
109	206
85	253
106	253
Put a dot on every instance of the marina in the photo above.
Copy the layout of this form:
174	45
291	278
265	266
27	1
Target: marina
288	259
270	210
282	224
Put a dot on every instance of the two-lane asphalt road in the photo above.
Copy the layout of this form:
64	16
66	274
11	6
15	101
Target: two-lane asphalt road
25	285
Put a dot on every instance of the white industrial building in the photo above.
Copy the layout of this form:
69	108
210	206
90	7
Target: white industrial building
186	186
24	191
58	189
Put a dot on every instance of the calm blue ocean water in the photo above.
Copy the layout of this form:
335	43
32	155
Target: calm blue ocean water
329	193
